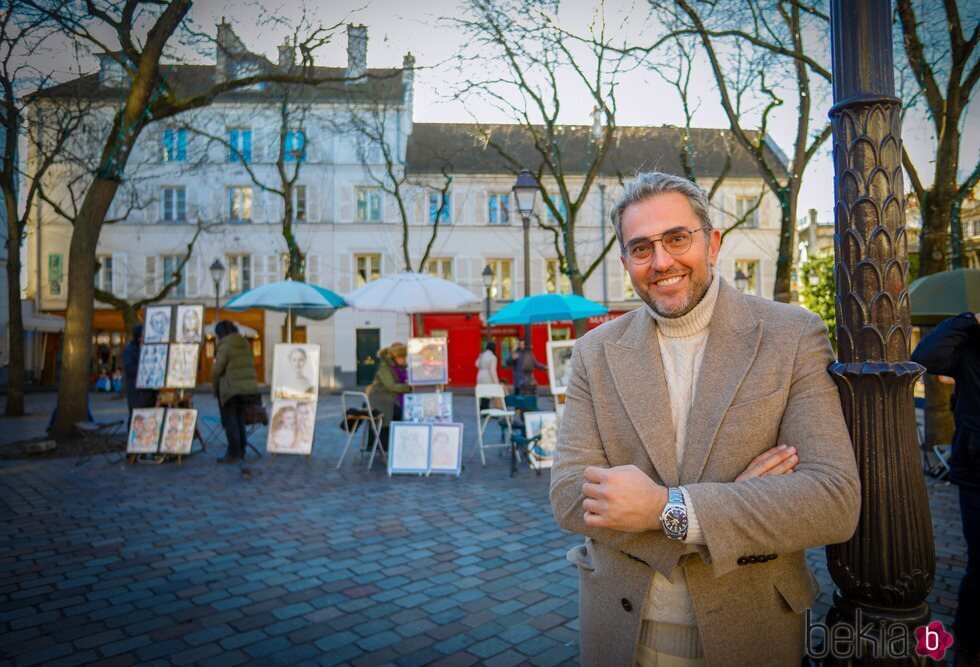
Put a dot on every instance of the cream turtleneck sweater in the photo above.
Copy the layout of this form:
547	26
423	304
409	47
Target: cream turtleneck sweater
669	624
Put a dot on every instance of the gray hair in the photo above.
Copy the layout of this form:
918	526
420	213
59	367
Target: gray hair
653	183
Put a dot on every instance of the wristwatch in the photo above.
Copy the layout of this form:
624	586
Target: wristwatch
673	519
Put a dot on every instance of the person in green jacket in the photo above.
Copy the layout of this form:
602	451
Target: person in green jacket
233	377
389	386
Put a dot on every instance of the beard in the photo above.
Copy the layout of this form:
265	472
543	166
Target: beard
699	287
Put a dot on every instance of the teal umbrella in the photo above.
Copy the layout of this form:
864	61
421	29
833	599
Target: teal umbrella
290	296
547	308
941	295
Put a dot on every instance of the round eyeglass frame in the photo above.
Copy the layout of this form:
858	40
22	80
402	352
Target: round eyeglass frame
654	240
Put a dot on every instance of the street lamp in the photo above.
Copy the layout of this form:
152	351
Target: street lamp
487	284
217	273
741	280
525	191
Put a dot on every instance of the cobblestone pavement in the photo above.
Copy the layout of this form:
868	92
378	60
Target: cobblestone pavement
302	563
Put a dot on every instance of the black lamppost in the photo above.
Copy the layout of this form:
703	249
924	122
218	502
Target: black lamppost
217	273
525	191
741	281
487	284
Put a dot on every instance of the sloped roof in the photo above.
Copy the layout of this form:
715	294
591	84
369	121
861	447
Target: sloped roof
468	148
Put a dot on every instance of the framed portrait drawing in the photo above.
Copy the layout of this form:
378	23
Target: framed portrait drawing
178	431
559	365
144	431
291	427
431	407
428	361
156	327
190	322
446	449
152	370
545	424
296	371
182	365
408	448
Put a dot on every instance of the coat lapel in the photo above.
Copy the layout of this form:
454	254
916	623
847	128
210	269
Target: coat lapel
733	342
638	374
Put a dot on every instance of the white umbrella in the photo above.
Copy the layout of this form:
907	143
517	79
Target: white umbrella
410	293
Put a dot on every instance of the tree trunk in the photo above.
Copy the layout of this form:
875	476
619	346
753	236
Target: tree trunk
130	319
578	287
77	344
15	325
782	289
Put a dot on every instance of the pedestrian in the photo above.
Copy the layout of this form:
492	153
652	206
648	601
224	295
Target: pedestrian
523	362
233	378
952	349
486	373
669	462
135	398
389	386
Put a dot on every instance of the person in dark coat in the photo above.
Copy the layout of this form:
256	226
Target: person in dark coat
135	398
523	362
953	349
233	377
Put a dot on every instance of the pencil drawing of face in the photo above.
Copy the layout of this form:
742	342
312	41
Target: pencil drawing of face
152	367
182	370
157	328
189	318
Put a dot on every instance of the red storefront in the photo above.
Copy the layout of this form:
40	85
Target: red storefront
466	331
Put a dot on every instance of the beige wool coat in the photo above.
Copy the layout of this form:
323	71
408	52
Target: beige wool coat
763	382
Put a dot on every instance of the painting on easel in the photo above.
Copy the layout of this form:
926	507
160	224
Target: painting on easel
157	327
189	322
291	427
182	365
428	361
178	431
144	431
152	371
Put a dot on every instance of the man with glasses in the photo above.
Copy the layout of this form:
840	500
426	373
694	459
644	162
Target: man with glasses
683	421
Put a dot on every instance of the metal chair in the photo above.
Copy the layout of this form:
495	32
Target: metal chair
483	417
104	436
353	423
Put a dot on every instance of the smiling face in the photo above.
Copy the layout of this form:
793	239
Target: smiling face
671	285
297	359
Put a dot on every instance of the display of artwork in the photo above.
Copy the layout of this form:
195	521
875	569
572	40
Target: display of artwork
544	424
152	371
296	371
446	449
156	329
291	427
178	431
144	431
428	361
559	365
408	448
182	365
190	322
431	407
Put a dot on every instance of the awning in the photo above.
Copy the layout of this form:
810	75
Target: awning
43	322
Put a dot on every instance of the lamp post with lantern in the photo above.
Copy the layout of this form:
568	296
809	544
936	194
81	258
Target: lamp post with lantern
525	192
741	281
487	284
217	270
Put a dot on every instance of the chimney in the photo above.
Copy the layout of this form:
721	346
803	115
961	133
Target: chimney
813	216
221	51
287	57
111	73
356	51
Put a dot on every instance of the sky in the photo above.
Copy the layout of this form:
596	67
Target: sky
425	28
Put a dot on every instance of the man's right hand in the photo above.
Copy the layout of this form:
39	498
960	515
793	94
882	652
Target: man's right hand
776	461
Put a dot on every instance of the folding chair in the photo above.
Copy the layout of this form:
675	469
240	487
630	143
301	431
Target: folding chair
491	391
102	435
353	422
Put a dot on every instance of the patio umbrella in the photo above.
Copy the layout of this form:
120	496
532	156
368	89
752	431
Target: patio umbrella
940	295
547	308
289	296
410	293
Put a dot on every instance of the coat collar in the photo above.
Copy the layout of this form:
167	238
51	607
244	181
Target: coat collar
638	374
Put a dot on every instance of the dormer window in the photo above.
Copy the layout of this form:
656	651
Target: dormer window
245	69
111	73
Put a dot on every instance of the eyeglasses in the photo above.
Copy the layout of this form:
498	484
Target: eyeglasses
674	241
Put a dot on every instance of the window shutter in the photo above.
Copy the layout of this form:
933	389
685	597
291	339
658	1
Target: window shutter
192	276
456	204
150	279
313	270
421	207
272	272
346	204
120	275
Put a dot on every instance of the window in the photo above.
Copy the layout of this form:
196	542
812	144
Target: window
750	269
55	273
502	287
498	212
295	146
559	203
239	145
440	204
174	204
103	273
628	291
743	206
170	264
440	268
240	204
555	281
976	227
299	203
175	144
366	269
239	273
369	204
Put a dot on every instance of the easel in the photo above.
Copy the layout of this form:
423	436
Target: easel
172	398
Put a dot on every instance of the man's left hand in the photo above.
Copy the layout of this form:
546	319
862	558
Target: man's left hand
622	498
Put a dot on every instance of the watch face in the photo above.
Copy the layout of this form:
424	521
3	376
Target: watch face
674	521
